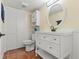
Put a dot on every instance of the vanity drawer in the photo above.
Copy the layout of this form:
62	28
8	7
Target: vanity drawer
55	39
53	49
51	38
49	47
42	36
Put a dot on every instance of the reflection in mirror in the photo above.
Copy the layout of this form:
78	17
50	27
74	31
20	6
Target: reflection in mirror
58	22
56	16
50	2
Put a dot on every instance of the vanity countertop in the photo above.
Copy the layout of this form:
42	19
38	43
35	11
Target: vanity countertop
60	32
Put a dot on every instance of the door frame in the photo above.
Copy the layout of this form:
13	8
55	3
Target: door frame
1	53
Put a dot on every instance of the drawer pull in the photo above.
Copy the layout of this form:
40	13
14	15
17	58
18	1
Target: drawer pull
50	47
44	37
54	39
39	43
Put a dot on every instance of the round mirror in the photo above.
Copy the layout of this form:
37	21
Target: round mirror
56	16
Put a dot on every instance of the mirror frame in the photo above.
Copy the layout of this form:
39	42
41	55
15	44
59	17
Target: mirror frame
63	17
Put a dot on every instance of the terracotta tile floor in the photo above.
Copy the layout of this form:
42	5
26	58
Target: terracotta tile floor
20	54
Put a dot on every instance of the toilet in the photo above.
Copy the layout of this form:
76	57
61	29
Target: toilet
29	45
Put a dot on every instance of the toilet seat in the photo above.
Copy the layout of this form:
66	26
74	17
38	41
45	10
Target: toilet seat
28	42
29	45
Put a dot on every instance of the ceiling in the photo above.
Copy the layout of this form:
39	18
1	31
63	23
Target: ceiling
32	4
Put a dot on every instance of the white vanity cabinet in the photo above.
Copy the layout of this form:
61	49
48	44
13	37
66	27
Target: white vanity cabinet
56	44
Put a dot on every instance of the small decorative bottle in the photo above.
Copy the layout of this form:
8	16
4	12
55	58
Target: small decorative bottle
53	28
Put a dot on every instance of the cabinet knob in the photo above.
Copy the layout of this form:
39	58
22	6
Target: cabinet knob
39	43
54	39
50	47
44	37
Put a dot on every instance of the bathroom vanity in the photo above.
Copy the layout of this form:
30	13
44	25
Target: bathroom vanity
54	43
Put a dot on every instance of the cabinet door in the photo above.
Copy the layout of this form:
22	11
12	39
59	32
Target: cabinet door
49	47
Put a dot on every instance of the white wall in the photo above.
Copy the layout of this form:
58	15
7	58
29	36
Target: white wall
16	27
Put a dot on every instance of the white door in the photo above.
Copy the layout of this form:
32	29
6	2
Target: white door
9	28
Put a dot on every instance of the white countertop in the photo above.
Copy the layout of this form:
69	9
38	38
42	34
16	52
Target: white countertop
59	32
